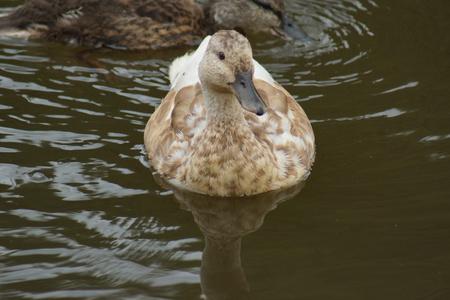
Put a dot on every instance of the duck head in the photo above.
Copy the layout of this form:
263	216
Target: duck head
256	15
227	68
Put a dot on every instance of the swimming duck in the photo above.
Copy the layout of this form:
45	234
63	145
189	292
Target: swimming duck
145	24
226	128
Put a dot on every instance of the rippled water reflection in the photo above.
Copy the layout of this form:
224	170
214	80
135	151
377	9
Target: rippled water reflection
81	216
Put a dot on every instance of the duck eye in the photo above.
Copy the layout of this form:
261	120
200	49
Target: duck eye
221	55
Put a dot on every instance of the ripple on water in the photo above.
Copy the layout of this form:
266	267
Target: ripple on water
69	181
121	254
64	140
10	84
10	68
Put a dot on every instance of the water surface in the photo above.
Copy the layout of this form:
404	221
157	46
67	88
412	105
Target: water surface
81	215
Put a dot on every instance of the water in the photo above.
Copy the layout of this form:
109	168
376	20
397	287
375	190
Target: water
81	215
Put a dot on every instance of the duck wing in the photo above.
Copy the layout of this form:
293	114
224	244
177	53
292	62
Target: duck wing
285	126
174	123
122	24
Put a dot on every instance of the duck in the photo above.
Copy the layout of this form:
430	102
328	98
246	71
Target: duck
226	128
145	24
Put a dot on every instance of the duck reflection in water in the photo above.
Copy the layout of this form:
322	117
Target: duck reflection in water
223	222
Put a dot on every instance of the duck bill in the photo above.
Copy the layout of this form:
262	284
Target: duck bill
291	31
247	95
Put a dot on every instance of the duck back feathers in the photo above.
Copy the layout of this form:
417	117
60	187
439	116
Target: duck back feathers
122	24
140	24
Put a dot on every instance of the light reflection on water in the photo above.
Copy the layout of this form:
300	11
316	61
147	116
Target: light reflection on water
81	215
129	253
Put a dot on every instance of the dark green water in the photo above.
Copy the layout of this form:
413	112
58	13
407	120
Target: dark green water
81	216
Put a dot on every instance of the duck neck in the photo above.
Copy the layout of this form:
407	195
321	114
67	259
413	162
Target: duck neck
224	111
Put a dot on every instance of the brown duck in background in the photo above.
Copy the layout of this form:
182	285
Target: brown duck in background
145	24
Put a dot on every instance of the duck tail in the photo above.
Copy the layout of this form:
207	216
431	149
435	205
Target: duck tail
37	13
177	65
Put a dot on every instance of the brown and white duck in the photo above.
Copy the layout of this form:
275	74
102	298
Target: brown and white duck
226	128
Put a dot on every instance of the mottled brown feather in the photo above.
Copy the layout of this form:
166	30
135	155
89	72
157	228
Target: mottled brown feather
162	128
123	24
139	24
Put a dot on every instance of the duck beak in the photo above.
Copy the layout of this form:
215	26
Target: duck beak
290	30
247	95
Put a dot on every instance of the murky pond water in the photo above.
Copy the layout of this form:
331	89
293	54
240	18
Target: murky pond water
81	215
